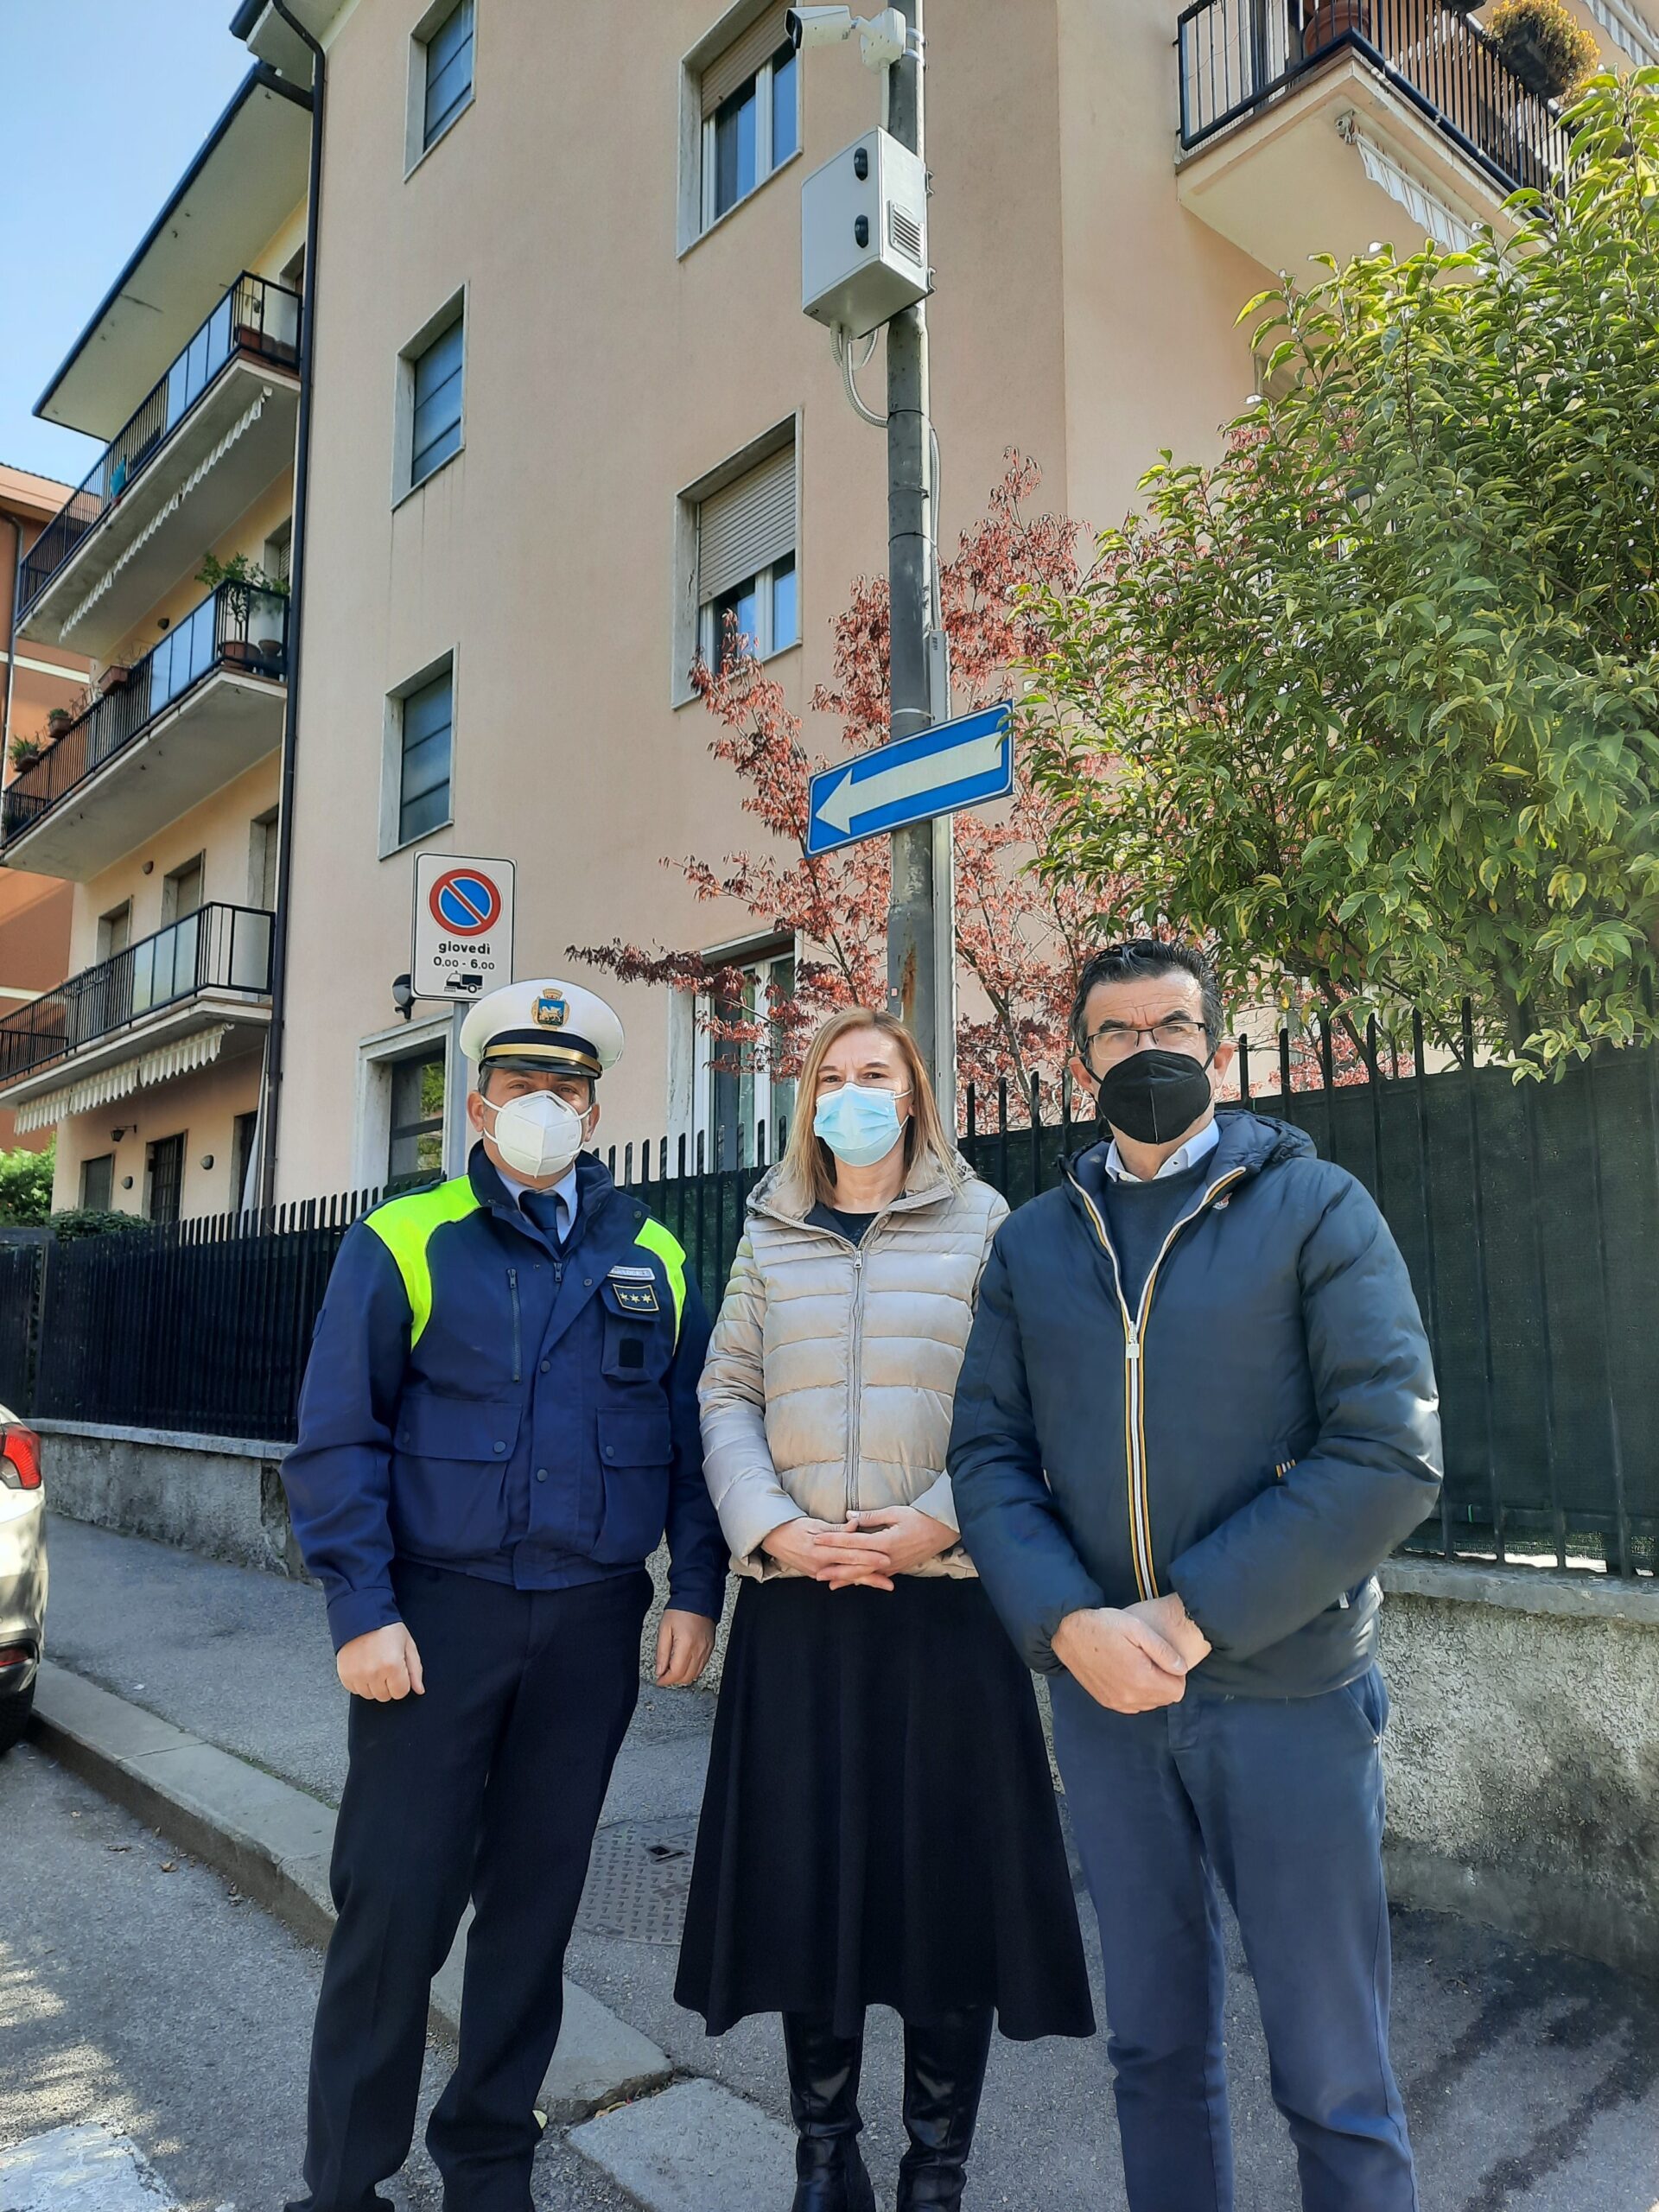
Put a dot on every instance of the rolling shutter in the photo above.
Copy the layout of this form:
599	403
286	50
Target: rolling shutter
743	56
746	526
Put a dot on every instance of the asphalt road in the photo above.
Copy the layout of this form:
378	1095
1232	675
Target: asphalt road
137	1993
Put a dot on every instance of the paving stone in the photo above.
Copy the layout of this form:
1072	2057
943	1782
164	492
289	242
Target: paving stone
694	2148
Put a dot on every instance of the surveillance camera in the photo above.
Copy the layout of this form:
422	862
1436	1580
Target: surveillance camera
818	26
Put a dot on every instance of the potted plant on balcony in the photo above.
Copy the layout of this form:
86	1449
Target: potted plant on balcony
1547	48
245	580
1331	19
25	750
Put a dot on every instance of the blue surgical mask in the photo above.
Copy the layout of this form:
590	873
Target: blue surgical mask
860	1124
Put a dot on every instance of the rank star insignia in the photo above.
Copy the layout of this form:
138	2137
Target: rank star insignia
552	1010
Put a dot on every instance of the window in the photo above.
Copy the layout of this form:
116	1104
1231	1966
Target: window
444	57
115	930
245	1133
279	548
163	1177
262	862
434	428
738	1086
181	892
416	1152
98	1182
425	719
745	560
748	94
757	616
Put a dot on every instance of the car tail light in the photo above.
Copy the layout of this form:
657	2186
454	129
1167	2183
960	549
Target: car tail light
14	1655
19	1457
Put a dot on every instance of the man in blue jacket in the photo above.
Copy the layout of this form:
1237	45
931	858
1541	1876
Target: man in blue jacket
1196	1413
498	1419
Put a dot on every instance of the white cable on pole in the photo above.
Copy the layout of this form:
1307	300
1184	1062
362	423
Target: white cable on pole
844	355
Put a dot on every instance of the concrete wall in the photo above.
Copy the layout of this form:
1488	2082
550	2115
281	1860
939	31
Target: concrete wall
219	1495
1522	1758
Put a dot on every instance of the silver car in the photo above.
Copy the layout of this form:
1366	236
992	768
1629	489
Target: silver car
23	1574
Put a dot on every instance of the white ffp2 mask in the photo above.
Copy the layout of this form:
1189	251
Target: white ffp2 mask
537	1134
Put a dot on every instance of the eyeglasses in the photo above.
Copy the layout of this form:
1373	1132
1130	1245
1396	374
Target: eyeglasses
1117	1040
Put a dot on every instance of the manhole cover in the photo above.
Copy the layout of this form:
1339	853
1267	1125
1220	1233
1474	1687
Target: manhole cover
637	1880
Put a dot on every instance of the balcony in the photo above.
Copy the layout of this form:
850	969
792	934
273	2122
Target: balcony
201	447
1311	129
161	1007
201	708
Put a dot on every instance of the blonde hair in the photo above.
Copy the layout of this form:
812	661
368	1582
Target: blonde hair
808	1163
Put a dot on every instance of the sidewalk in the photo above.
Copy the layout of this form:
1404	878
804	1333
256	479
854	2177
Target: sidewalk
1532	2081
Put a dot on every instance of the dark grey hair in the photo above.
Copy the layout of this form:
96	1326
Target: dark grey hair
1141	957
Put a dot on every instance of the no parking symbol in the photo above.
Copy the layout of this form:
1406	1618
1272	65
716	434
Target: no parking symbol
463	926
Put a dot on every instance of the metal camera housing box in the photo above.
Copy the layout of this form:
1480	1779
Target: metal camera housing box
864	235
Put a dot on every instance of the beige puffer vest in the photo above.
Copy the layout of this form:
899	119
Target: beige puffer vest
831	1372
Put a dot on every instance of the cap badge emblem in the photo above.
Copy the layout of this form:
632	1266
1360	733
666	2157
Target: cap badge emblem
552	1010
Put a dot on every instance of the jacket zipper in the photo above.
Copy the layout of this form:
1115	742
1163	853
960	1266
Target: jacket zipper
518	1344
1134	1406
853	1393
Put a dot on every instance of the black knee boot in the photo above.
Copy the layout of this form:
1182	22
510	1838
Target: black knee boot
945	2072
829	2174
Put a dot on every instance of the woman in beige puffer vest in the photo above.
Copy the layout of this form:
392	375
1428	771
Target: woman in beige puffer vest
878	1825
831	1372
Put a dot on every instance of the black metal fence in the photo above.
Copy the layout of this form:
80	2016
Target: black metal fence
256	317
217	947
236	626
1529	1215
1236	54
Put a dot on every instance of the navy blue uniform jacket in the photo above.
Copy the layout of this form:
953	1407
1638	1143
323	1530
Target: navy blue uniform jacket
1258	1434
477	1399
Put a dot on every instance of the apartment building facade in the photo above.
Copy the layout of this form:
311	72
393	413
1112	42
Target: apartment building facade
566	414
156	801
43	690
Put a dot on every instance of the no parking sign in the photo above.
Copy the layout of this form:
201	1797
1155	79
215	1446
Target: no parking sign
463	926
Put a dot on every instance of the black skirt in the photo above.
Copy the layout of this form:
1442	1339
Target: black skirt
879	1825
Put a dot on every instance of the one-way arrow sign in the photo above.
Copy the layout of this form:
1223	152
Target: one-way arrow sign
954	765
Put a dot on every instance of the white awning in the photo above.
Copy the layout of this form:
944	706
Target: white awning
182	1056
1626	30
1430	213
245	421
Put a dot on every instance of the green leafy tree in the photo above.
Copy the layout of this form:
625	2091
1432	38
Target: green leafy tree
26	1188
1374	702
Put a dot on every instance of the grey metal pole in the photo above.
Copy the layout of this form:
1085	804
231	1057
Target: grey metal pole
912	920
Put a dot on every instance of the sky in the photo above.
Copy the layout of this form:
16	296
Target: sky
102	104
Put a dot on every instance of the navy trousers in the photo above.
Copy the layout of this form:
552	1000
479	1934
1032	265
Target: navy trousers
489	1786
1280	1802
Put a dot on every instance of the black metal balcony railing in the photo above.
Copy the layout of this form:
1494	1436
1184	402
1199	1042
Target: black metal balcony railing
235	626
256	317
217	948
1236	54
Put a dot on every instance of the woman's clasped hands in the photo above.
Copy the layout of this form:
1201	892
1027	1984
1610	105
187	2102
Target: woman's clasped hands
866	1550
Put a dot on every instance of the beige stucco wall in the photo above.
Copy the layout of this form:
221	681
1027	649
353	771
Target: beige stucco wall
219	828
204	1104
1080	315
202	1107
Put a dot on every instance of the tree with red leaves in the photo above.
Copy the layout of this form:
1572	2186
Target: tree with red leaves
1019	936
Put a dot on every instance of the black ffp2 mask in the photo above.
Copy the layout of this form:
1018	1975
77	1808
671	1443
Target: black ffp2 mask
1154	1096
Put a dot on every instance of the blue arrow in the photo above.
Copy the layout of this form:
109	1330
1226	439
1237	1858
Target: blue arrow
957	764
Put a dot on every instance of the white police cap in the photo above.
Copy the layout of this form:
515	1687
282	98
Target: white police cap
544	1024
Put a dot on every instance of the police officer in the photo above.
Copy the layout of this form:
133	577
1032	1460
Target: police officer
498	1421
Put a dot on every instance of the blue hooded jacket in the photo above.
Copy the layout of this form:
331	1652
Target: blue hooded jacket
480	1399
1258	1435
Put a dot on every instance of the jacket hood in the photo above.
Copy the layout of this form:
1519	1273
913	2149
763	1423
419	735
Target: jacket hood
1249	1140
777	1196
